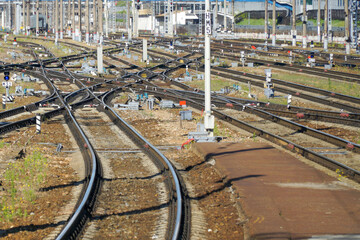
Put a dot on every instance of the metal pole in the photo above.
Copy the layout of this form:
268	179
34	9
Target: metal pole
319	21
95	26
294	23
326	25
100	58
225	20
274	23
266	20
145	50
28	17
37	18
24	16
87	21
304	24
347	29
56	21
233	15
9	14
176	13
69	18
100	20
61	19
128	19
106	16
17	19
46	17
216	9
208	118
135	20
79	19
170	22
73	20
152	7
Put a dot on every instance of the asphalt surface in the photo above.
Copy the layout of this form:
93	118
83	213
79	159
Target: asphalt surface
283	197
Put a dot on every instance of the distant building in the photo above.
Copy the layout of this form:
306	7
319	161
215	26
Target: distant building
182	17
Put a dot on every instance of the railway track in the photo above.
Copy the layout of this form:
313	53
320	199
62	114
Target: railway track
301	129
339	59
151	173
347	77
74	226
286	139
346	103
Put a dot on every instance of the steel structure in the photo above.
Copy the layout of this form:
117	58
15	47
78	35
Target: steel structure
355	16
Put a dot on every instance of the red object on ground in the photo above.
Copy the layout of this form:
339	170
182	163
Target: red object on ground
344	115
300	115
283	197
350	146
182	103
291	146
230	105
187	142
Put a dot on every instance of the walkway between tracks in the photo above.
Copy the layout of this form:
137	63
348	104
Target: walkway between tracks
282	196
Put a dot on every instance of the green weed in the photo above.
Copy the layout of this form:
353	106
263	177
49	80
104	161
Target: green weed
21	181
3	144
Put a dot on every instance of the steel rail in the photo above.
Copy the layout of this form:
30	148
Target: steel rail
179	204
292	92
223	103
290	124
146	143
312	71
322	160
296	93
71	229
293	85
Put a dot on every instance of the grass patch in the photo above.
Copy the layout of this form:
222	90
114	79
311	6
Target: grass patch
216	84
59	51
351	89
21	182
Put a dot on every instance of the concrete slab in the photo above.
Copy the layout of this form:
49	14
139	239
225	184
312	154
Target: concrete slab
283	197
